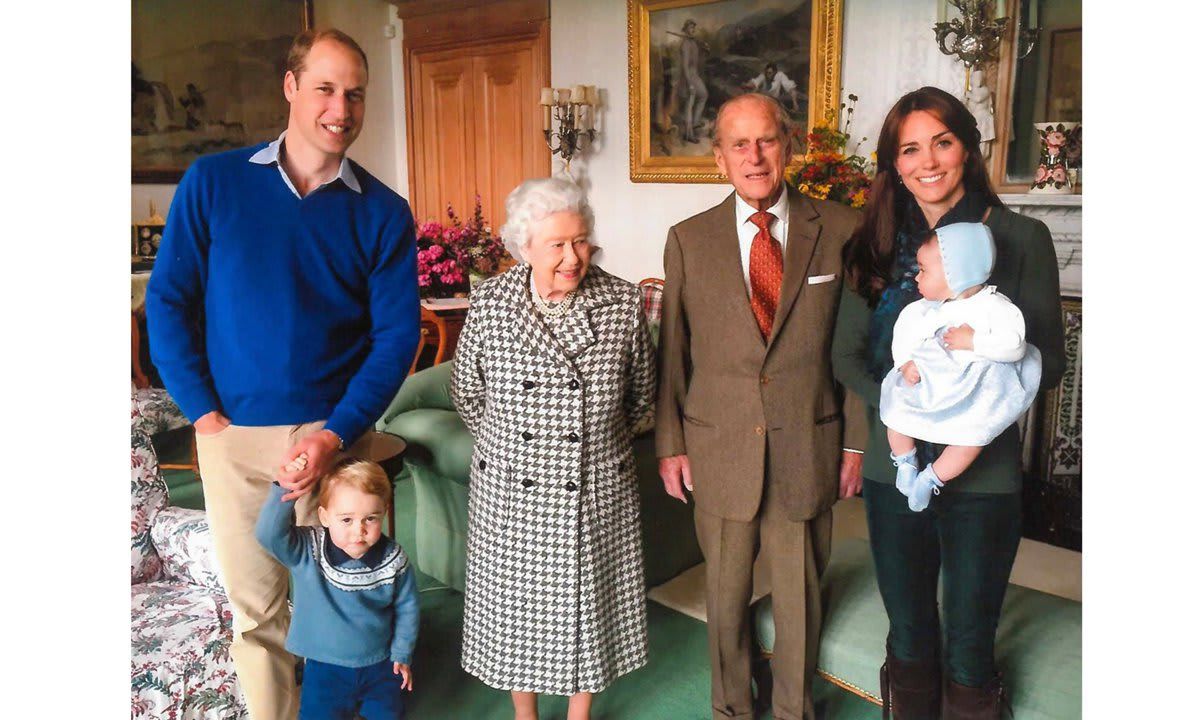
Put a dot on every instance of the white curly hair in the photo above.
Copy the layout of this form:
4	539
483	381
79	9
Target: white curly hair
535	200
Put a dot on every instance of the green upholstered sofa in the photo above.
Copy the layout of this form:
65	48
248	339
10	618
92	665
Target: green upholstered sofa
1039	643
438	461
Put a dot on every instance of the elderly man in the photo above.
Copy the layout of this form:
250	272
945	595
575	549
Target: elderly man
283	315
749	417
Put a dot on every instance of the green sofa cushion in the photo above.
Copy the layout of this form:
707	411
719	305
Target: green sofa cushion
429	388
436	438
1039	645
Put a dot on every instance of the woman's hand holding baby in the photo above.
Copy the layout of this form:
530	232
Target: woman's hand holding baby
959	338
912	376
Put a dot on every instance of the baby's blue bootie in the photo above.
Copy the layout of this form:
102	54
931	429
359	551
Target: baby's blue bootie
925	485
906	471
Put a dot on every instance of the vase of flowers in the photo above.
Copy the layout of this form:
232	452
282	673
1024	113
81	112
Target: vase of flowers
1061	150
829	171
453	256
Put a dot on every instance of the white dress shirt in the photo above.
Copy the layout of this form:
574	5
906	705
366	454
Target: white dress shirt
746	229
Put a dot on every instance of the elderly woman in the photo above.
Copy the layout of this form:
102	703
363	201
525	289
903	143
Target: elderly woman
552	370
931	174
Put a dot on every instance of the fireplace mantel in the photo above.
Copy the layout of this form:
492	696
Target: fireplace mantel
1063	214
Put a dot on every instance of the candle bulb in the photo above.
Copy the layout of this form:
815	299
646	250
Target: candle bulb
545	117
547	96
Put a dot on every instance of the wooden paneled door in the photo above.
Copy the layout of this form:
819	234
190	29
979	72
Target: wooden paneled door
473	115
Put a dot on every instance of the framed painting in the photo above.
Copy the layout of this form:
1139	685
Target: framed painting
686	57
207	77
1064	94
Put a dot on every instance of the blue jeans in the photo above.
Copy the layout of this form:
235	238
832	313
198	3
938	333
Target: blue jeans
333	692
971	540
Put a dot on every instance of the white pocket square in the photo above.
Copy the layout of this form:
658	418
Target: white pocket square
818	279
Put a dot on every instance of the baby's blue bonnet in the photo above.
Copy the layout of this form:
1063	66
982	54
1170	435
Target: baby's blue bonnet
968	254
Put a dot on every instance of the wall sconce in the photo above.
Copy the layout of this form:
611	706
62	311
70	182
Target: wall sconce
977	33
574	111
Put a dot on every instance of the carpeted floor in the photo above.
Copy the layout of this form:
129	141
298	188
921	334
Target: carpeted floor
674	685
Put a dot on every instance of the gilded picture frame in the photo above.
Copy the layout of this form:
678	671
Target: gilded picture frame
207	77
688	56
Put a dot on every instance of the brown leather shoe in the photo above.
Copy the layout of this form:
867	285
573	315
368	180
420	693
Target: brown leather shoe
911	689
960	702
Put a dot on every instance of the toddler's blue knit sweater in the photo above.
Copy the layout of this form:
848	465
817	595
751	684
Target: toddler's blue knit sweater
347	612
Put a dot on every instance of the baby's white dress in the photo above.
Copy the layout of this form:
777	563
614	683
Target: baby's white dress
965	397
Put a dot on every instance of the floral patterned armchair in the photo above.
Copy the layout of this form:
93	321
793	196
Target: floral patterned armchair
181	621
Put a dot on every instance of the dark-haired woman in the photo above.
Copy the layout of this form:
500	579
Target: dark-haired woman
931	173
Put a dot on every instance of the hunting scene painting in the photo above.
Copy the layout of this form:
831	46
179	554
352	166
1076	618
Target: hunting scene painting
700	56
207	77
686	58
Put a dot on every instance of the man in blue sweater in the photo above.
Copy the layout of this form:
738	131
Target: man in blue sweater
283	315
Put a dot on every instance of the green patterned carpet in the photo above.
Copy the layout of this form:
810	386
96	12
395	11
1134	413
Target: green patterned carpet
674	685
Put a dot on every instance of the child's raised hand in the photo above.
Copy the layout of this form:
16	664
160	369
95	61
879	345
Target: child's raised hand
911	374
404	671
959	338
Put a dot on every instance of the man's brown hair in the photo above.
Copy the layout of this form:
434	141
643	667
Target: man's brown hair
305	40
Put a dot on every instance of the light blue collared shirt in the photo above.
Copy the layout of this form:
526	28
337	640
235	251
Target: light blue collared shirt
270	154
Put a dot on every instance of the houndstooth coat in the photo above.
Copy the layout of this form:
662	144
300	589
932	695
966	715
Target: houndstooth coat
555	585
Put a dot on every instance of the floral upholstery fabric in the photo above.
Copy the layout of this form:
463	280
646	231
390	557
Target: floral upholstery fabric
180	666
154	411
148	496
183	541
180	620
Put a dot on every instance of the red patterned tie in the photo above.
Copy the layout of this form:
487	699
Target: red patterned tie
766	273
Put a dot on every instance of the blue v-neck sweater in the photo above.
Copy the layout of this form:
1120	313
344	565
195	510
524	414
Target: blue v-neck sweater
278	310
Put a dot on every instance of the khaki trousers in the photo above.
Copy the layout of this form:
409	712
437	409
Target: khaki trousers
794	555
237	467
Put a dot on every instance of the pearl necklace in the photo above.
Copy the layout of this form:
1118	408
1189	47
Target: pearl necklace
555	310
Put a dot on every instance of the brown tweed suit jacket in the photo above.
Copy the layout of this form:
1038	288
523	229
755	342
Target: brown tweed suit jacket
743	409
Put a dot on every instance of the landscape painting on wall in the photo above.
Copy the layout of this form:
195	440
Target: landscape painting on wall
207	76
688	57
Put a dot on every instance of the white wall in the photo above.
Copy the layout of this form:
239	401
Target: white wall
382	145
588	46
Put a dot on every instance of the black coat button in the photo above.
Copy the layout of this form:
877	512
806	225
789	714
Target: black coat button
483	464
574	384
526	435
528	384
571	485
573	437
527	483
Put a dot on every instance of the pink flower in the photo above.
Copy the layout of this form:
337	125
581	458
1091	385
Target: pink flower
1059	174
1055	139
423	280
1042	174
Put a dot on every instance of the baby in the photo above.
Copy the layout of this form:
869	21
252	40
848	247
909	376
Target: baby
356	615
963	371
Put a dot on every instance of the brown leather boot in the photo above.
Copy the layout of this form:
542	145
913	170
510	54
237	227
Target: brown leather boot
960	702
911	689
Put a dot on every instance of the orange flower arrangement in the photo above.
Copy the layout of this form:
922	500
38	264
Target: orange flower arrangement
827	171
